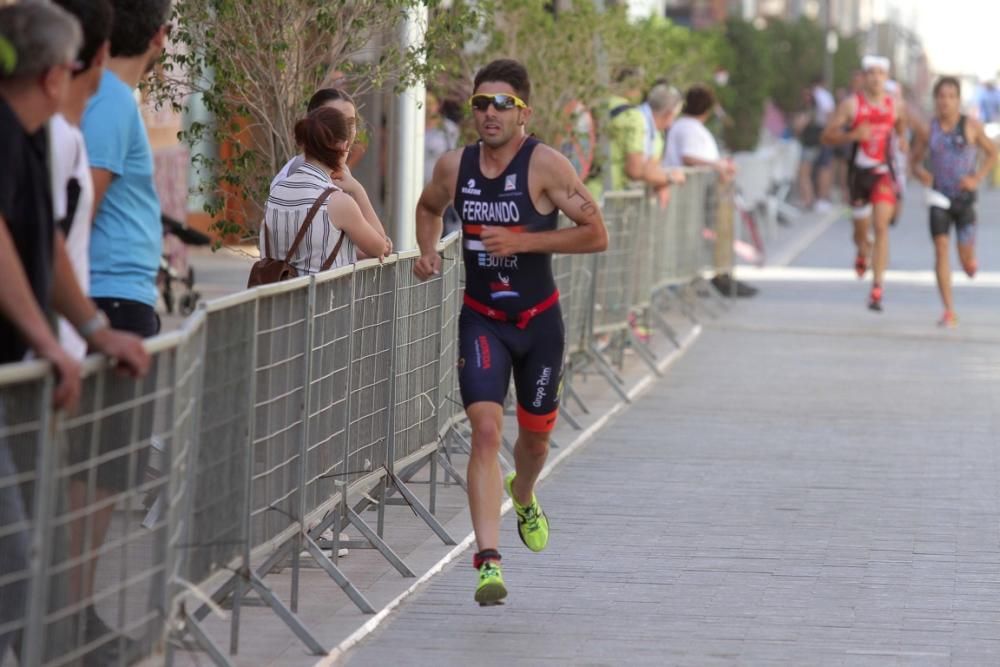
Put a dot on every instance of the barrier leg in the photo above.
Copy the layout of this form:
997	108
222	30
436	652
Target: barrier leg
445	462
356	596
605	369
644	352
285	614
421	511
202	642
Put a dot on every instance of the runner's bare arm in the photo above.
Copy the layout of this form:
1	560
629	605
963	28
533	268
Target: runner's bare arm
437	194
563	188
834	133
901	126
987	149
921	140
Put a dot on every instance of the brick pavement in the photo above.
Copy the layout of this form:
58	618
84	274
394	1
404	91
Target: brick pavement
812	484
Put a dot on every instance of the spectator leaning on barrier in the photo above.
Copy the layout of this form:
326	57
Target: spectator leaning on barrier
659	110
690	144
338	99
625	129
335	98
37	277
635	136
72	184
339	225
125	248
127	235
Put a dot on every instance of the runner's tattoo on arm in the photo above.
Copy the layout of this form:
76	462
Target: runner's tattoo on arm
588	206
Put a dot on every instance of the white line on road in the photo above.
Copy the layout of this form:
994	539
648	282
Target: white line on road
819	275
371	624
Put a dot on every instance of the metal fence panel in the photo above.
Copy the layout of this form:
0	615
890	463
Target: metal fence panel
330	365
217	532
642	257
417	358
666	238
23	424
613	282
573	275
449	399
283	319
111	519
183	458
371	368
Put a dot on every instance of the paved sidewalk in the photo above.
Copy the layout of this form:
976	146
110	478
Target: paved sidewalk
812	484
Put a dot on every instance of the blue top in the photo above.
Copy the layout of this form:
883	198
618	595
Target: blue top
952	158
508	284
127	237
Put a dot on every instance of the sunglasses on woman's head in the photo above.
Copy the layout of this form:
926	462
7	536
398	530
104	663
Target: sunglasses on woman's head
500	102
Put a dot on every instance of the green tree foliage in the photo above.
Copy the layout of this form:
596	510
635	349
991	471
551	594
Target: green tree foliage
255	65
570	54
796	51
559	52
748	60
661	49
847	60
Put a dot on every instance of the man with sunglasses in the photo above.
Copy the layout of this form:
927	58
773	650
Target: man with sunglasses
508	189
961	156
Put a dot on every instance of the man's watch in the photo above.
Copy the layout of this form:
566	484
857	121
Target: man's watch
97	323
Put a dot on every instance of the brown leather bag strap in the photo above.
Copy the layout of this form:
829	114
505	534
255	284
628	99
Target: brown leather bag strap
333	255
267	240
307	223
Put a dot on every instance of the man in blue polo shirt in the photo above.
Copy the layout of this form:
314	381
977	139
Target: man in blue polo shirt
127	236
125	248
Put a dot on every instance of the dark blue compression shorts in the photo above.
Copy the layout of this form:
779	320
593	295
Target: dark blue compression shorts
489	351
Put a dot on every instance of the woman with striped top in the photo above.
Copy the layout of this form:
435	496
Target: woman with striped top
324	136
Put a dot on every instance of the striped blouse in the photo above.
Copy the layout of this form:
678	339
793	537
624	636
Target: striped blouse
287	207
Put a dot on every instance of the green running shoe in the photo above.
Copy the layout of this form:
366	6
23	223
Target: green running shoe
490	589
532	524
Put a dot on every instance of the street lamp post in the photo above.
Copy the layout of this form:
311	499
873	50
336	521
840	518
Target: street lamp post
408	141
831	46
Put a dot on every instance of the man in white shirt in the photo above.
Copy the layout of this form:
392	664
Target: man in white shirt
690	144
72	184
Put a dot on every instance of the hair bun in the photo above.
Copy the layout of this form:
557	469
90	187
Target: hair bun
322	134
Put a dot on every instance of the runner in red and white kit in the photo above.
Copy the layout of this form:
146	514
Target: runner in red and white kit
868	120
508	189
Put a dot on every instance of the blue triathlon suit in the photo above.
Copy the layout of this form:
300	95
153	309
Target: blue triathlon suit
510	321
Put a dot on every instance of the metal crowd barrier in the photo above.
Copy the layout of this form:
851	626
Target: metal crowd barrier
268	423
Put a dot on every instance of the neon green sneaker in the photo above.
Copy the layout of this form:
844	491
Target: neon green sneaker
532	524
491	589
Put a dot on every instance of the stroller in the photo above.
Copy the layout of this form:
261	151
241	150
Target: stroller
174	269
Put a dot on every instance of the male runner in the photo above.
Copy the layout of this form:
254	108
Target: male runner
956	144
508	190
870	117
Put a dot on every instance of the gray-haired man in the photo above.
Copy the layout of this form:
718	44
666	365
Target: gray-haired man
662	104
